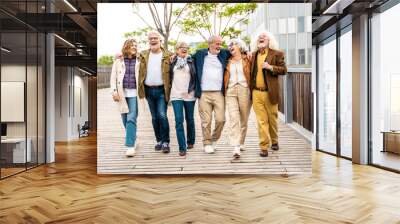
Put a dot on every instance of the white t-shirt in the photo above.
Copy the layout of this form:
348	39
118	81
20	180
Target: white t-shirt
237	74
154	73
212	74
130	92
180	85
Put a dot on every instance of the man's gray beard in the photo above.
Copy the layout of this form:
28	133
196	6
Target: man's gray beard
262	46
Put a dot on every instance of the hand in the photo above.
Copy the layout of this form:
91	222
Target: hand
267	66
118	56
115	96
171	59
249	55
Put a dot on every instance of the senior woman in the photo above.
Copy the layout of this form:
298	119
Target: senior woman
182	76
123	85
237	93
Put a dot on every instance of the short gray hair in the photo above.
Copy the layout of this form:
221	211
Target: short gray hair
180	44
212	38
240	43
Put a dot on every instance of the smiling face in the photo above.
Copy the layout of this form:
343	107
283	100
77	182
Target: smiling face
130	48
234	49
154	41
215	45
262	41
182	50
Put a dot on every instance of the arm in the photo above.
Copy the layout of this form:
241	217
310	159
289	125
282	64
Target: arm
113	77
280	67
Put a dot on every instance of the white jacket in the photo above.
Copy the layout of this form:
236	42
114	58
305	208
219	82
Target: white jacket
117	80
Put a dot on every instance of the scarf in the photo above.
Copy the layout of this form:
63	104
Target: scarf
181	62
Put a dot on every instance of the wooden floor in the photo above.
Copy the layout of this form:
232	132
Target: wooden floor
294	156
70	191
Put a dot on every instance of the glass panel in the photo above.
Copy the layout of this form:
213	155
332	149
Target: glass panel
327	97
13	86
41	98
300	24
291	25
302	56
282	26
31	98
385	84
346	94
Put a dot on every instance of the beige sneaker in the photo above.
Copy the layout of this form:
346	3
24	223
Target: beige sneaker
242	148
236	152
208	149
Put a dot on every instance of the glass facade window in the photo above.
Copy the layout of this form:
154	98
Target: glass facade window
22	78
273	25
327	96
302	56
346	94
385	89
282	26
291	25
300	24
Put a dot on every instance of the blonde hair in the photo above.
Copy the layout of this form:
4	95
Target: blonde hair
127	46
272	43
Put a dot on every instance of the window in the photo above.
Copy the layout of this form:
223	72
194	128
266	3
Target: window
300	24
302	56
327	96
282	26
346	94
291	25
385	88
273	25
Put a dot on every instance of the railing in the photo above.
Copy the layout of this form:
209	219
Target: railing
296	98
103	76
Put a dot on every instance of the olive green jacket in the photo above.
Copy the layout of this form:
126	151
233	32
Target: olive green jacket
165	62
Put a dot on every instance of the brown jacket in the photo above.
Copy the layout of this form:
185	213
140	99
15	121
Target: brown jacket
144	58
246	71
277	60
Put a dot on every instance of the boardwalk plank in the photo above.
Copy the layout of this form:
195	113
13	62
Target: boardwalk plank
294	156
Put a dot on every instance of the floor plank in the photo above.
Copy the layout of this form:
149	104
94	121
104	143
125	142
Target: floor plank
70	191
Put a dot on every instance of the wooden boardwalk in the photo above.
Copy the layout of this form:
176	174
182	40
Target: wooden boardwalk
294	156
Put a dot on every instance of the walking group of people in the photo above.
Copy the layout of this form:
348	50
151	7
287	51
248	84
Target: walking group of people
218	78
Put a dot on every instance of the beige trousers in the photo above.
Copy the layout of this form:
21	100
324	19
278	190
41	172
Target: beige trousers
212	102
238	105
267	119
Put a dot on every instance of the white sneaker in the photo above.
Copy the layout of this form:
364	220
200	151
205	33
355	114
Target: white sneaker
131	151
236	152
209	149
242	148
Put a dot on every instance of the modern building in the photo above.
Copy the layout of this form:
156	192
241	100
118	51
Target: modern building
340	93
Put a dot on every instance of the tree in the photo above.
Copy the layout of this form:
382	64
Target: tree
105	60
215	19
139	35
163	21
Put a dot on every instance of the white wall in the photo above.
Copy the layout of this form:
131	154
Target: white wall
70	84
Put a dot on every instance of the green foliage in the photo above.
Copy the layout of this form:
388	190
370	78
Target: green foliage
139	35
216	18
105	60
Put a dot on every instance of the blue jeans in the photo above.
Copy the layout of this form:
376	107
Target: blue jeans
129	121
158	108
179	106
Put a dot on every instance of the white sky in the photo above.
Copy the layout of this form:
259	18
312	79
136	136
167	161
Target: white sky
115	19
